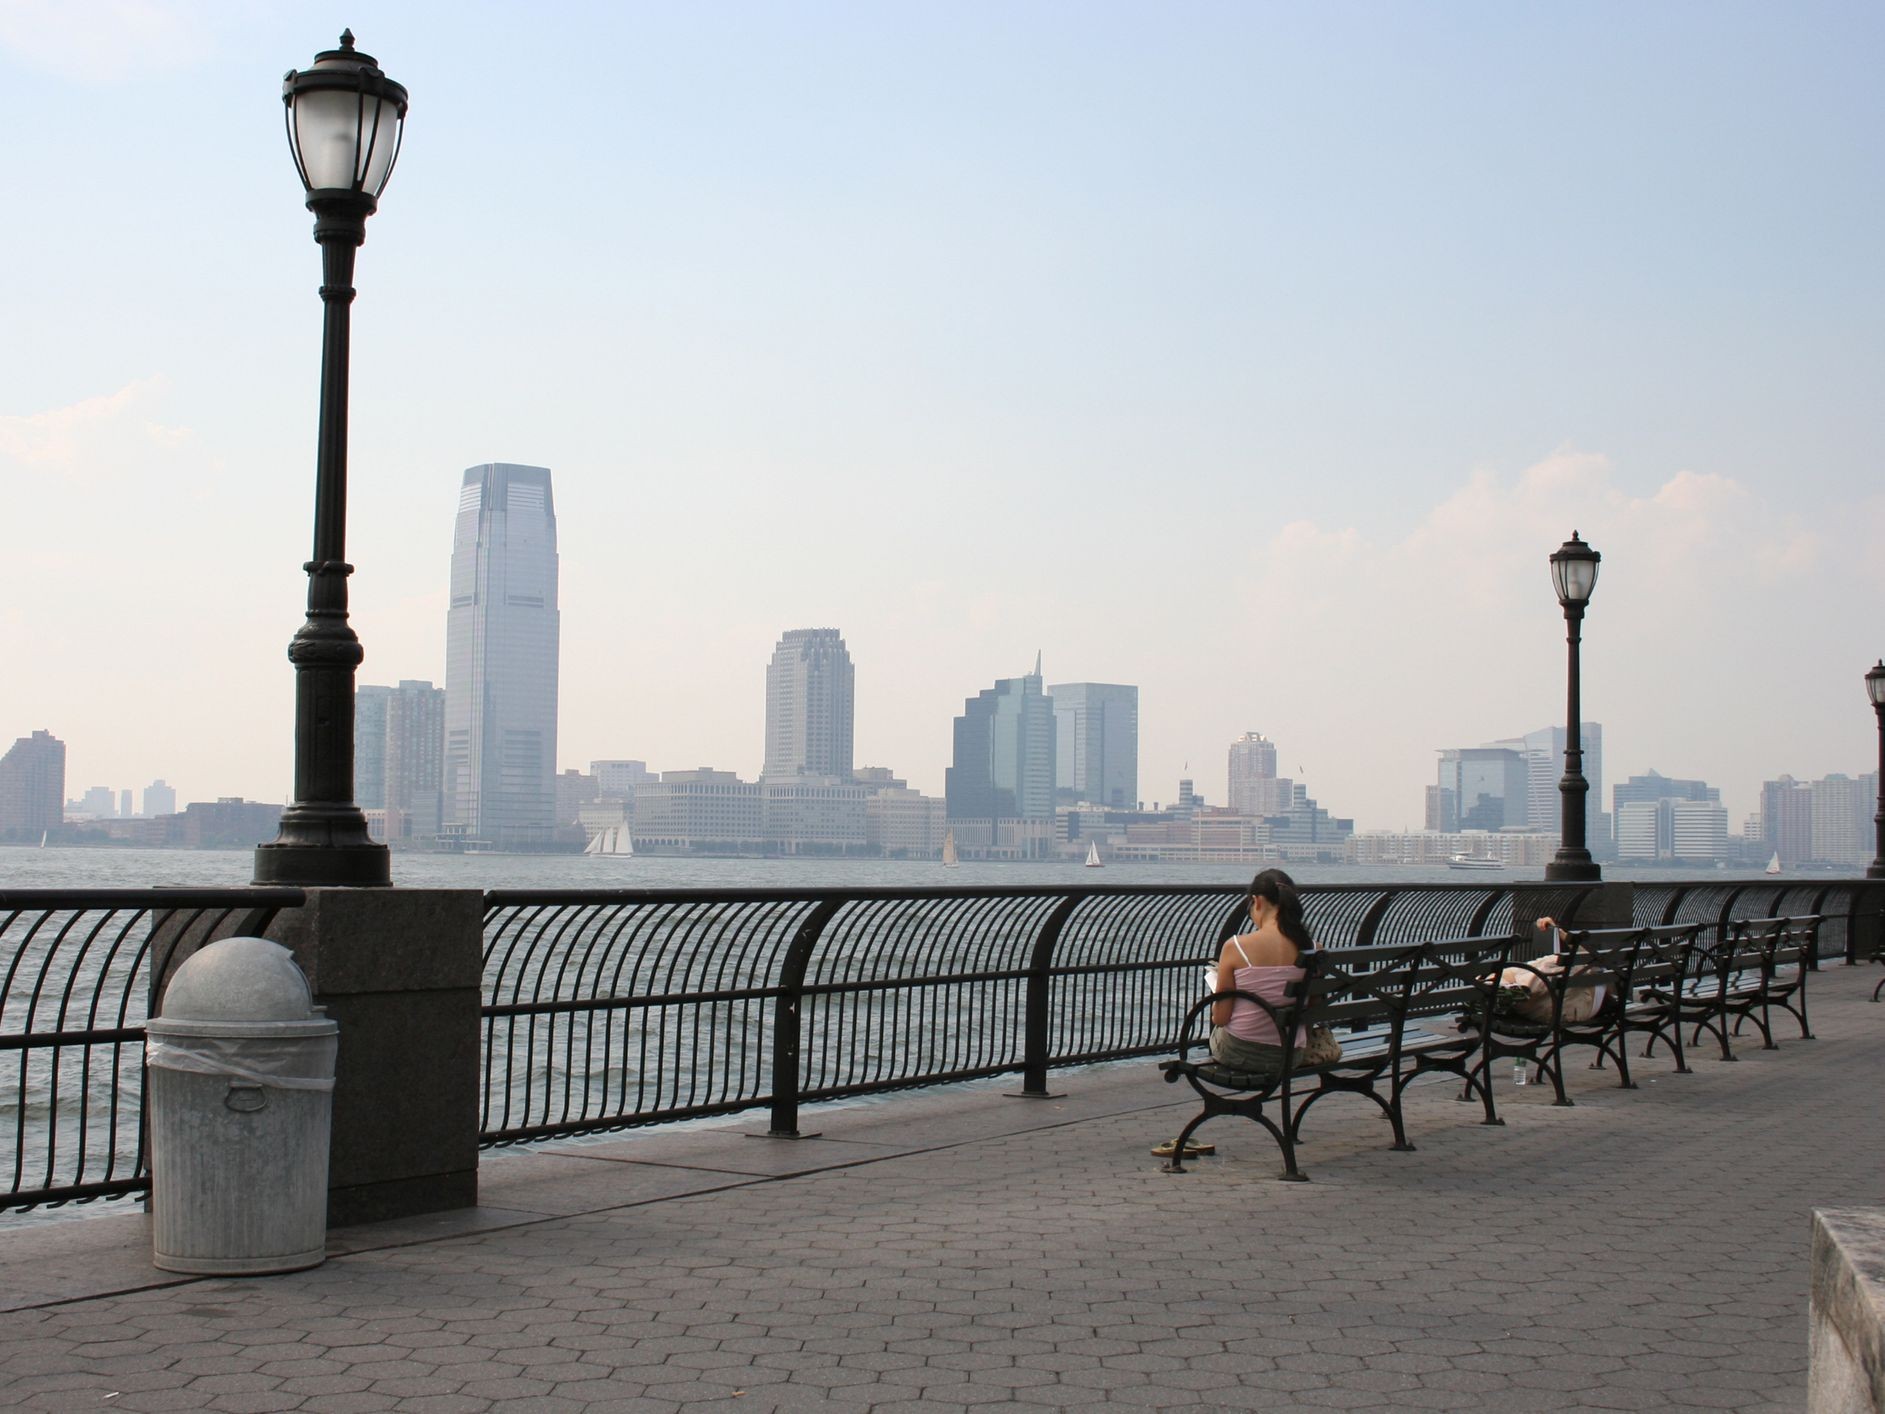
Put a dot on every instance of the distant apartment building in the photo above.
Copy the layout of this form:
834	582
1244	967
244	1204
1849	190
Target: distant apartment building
1825	822
1443	810
228	822
810	706
575	790
32	787
98	803
617	780
160	798
369	745
1254	788
1659	818
1003	764
399	759
1698	831
1096	743
904	823
501	659
1843	829
1787	820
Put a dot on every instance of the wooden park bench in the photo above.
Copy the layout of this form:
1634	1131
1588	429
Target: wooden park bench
1637	973
1756	965
1394	1018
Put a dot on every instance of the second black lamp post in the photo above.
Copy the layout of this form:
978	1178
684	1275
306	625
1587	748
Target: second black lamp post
1875	689
1574	576
344	118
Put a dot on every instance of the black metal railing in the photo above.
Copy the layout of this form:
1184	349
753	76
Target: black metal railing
1838	902
76	970
605	1009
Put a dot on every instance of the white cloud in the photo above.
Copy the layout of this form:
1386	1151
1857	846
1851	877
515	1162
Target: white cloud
92	436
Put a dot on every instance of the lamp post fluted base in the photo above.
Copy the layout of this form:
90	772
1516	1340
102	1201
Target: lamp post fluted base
1573	871
324	848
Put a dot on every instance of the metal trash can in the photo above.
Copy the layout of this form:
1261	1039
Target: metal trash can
241	1088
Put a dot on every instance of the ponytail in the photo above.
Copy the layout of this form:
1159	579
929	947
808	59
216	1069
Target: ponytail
1274	886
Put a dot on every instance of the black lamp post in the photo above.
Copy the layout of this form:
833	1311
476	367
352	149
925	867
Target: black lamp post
1574	575
344	118
1875	689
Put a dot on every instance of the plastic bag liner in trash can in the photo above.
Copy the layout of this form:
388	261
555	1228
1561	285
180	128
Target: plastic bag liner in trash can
241	1105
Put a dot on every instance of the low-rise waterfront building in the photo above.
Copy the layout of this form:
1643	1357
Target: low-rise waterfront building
1516	849
904	823
698	809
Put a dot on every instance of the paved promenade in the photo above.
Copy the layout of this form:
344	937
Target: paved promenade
945	1250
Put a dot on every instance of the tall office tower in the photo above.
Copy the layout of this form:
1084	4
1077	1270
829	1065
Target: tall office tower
32	787
160	798
501	642
369	746
1255	788
1004	754
1096	743
810	687
1489	785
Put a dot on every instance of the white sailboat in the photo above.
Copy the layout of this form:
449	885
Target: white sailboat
1093	860
611	842
949	850
1773	865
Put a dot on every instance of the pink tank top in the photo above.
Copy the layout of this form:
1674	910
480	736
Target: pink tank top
1252	1023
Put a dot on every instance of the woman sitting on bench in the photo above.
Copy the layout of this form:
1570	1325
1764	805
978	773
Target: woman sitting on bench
1262	961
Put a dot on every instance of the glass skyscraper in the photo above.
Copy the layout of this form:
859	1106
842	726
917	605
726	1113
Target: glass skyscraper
1004	754
1096	736
501	639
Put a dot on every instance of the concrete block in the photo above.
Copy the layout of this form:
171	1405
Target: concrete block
1846	1310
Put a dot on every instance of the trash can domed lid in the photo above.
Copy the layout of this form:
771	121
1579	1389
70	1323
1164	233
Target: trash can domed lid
239	979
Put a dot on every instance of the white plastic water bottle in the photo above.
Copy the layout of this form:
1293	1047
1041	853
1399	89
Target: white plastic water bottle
1519	1075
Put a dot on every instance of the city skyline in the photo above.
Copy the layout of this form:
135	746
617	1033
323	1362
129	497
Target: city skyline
1351	315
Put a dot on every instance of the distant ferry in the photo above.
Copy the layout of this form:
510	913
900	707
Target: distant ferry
1470	861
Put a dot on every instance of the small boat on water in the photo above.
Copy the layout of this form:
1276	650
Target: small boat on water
949	850
1474	861
1093	860
611	842
1773	865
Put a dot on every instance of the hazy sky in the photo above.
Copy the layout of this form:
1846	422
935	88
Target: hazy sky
1257	354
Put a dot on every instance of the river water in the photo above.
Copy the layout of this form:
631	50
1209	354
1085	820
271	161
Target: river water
105	868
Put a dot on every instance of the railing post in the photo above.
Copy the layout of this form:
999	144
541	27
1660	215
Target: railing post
1035	1040
786	1023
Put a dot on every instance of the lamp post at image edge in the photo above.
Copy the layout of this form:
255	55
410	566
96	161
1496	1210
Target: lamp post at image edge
1875	689
345	119
1574	576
